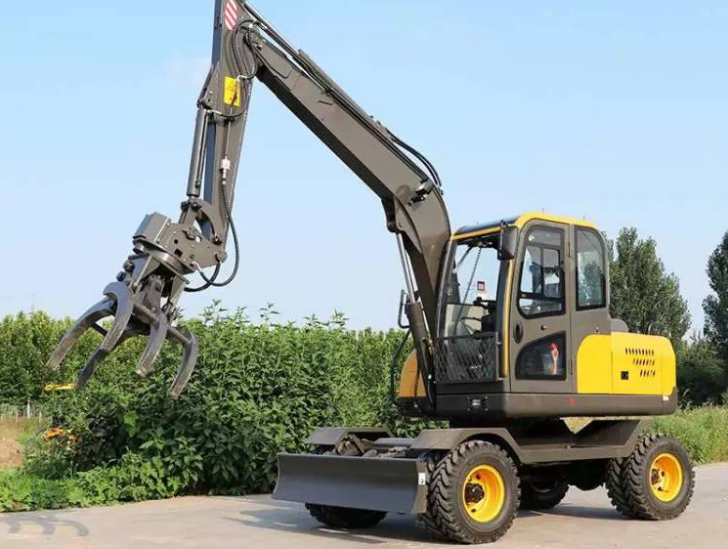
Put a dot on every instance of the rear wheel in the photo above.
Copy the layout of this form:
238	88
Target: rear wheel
616	488
658	478
344	517
541	495
473	494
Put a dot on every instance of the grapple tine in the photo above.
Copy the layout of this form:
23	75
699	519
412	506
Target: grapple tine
120	305
157	336
90	367
101	310
189	341
124	308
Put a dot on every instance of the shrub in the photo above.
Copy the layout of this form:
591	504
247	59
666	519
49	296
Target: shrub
258	389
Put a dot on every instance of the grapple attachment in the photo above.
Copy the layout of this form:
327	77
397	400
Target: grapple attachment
143	300
139	306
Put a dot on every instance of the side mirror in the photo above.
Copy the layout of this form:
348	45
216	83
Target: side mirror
507	242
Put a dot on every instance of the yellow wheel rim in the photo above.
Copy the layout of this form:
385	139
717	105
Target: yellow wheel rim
666	477
483	493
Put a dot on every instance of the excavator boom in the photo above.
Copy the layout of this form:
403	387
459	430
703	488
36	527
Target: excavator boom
144	300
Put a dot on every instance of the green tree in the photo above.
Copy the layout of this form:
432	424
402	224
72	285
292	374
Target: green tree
700	375
716	304
643	295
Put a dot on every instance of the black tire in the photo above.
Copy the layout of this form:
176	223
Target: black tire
616	489
344	518
539	496
432	459
638	476
446	510
588	475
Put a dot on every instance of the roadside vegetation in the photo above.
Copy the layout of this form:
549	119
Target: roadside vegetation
261	386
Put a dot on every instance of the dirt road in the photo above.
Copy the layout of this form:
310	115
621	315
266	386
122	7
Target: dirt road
584	520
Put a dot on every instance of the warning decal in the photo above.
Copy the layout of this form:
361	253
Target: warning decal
232	92
231	14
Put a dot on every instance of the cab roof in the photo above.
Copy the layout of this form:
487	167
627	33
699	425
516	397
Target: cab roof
519	221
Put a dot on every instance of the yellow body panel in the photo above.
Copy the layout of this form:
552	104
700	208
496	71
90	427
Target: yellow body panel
529	216
625	364
594	365
410	382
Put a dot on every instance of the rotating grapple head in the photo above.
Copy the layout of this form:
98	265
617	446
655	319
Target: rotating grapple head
142	302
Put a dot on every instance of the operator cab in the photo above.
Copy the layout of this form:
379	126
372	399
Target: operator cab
524	329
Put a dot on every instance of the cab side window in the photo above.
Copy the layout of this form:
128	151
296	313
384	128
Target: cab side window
541	289
591	270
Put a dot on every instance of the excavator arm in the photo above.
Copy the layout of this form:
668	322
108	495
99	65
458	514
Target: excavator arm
144	300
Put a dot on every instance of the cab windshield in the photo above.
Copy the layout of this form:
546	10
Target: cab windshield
472	291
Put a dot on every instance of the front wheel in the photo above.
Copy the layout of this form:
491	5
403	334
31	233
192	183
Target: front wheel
344	518
473	494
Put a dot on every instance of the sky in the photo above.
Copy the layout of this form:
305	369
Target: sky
615	111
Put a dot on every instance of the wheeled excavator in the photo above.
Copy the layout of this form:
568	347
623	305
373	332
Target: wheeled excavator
509	322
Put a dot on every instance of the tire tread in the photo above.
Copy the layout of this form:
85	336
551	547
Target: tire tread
442	517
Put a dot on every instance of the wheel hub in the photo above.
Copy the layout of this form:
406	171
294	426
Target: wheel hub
483	493
474	493
666	477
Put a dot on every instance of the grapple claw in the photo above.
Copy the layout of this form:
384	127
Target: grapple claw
90	367
157	336
142	303
88	319
189	342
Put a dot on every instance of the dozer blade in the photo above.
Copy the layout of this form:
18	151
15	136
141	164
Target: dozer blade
376	484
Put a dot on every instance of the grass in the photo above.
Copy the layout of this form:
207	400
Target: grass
703	431
22	492
19	429
16	433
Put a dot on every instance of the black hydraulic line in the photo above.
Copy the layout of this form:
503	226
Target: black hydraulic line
206	285
236	244
421	157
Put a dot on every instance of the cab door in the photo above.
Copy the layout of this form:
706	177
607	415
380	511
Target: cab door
539	338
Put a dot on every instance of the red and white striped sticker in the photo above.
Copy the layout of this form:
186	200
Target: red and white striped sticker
231	14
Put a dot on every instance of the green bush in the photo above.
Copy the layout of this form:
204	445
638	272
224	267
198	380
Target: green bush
258	389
